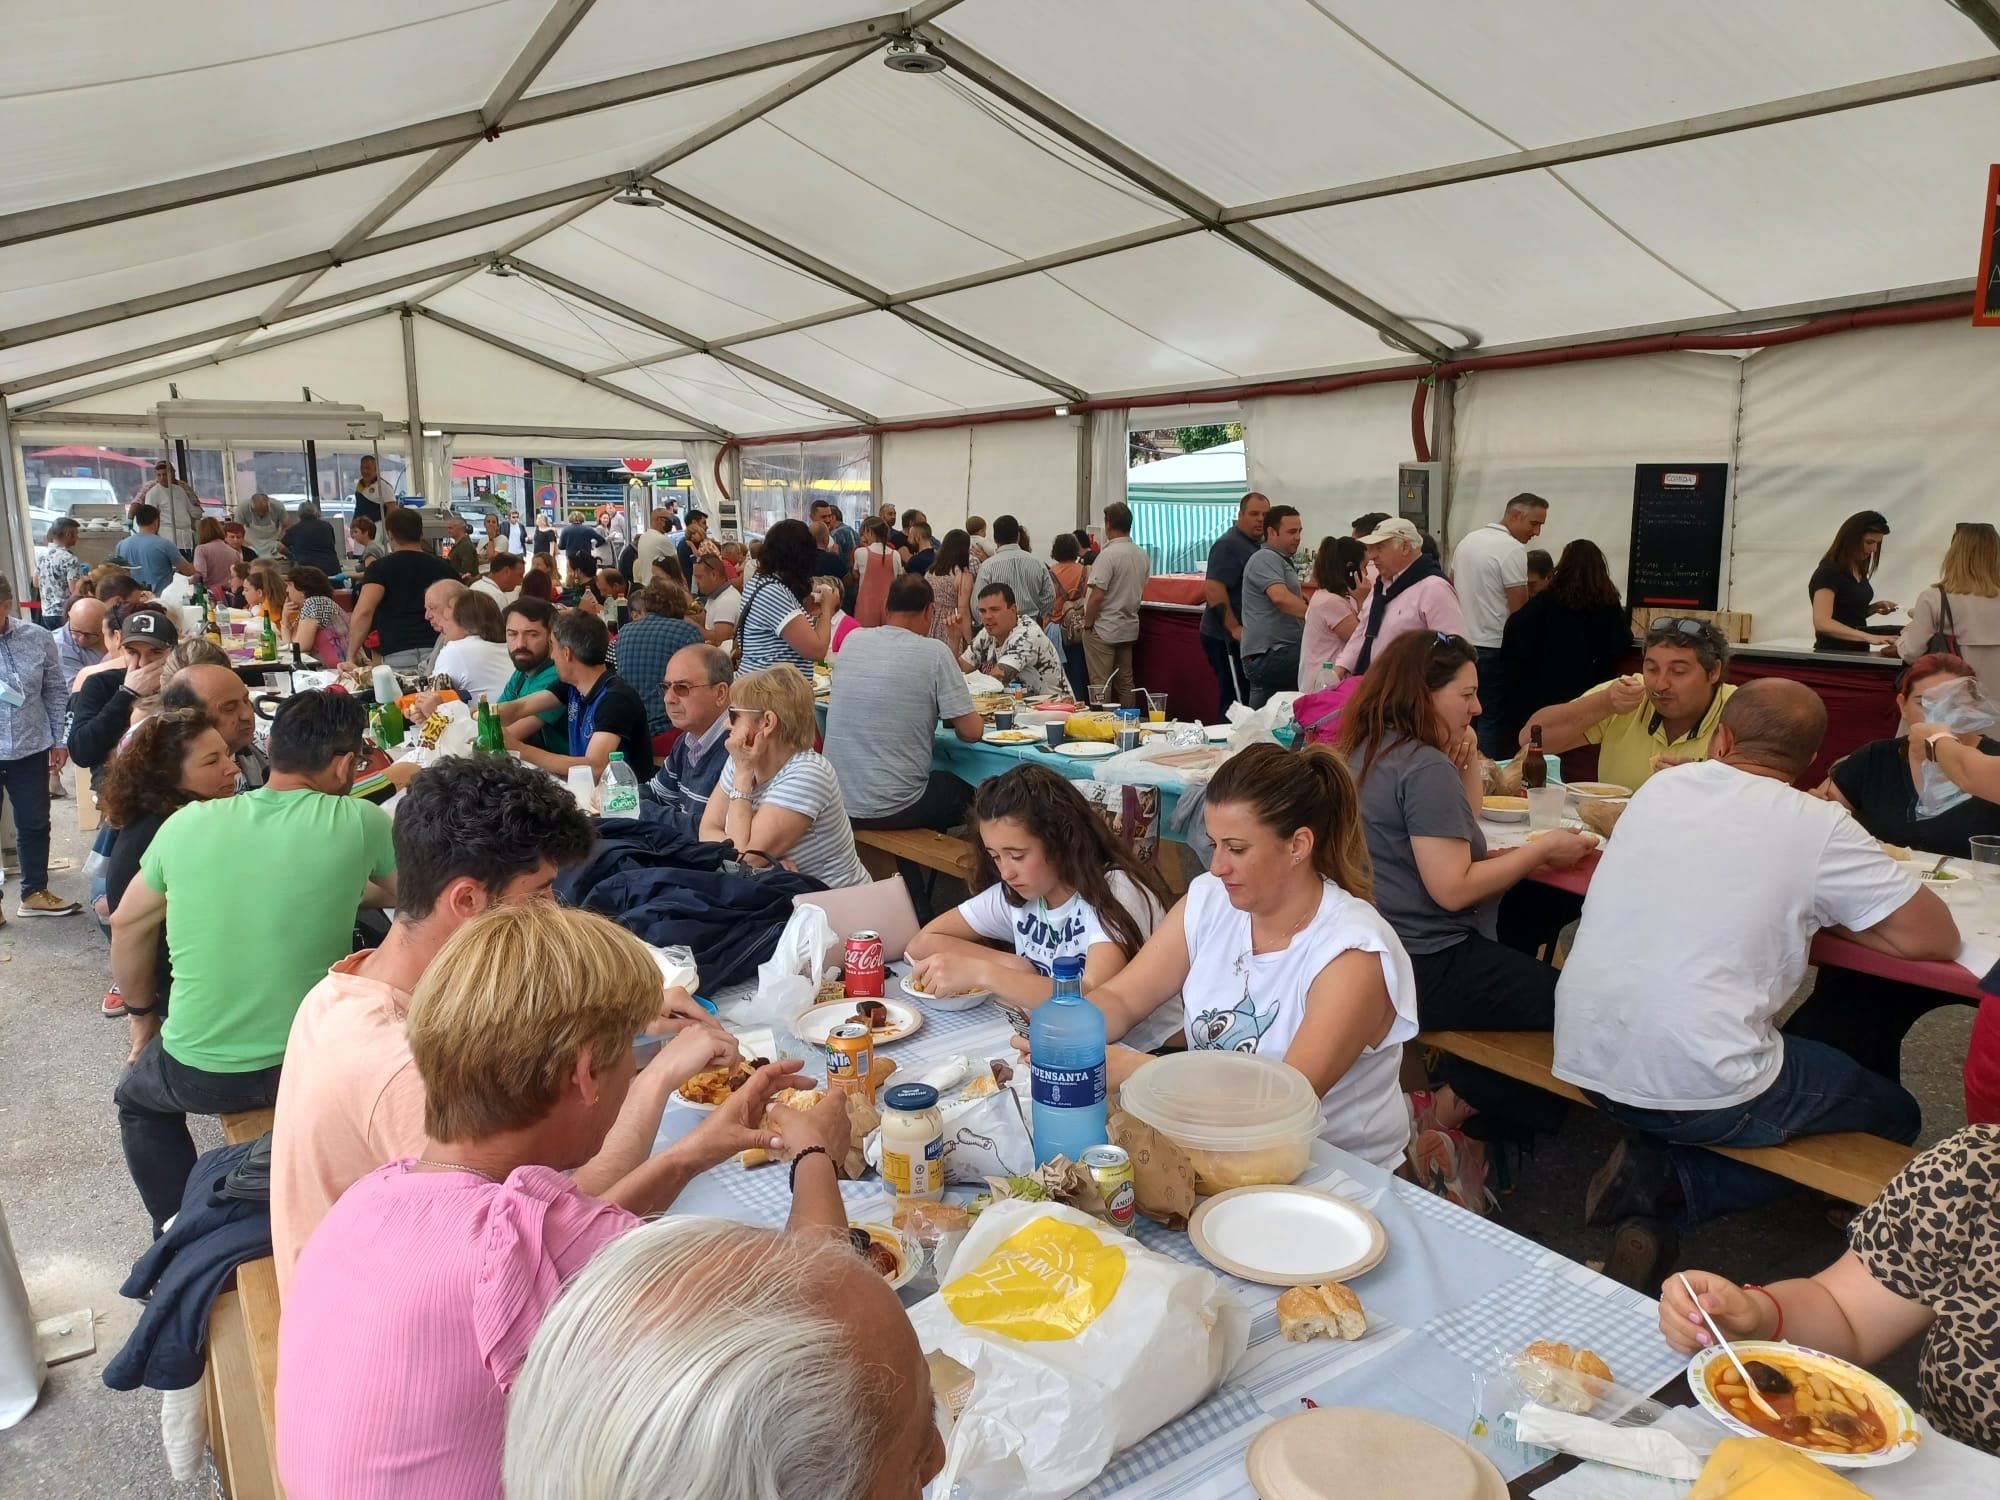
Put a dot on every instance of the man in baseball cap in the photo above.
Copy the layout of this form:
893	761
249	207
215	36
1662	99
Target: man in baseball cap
1410	593
101	711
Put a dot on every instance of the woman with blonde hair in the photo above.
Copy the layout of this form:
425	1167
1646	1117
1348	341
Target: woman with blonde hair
1963	606
778	798
411	1308
264	592
1279	952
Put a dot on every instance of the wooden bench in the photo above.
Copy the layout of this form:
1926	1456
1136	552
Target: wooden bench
1849	1166
920	846
242	1379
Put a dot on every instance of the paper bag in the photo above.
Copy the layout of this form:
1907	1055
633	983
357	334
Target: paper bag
1162	1173
1081	1342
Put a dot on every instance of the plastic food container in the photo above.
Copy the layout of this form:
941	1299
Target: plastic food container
1243	1120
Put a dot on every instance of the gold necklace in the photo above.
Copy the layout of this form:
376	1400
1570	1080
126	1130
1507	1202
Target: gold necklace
458	1166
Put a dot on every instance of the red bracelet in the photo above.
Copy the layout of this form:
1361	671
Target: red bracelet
1779	1331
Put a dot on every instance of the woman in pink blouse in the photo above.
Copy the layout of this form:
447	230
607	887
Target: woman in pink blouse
1334	608
412	1306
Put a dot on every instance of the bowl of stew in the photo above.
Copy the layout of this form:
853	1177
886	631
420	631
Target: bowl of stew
1835	1412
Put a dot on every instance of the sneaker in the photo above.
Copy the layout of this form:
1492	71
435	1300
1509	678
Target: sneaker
1637	1181
114	1003
46	904
1447	1163
1642	1252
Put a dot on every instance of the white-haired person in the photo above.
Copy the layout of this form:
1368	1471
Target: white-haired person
413	1303
700	1357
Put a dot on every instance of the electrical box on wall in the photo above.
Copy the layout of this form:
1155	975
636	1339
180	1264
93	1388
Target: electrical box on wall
1414	484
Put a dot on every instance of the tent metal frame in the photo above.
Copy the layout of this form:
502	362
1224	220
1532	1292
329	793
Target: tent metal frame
828	50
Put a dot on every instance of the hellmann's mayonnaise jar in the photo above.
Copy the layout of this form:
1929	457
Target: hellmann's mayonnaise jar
912	1140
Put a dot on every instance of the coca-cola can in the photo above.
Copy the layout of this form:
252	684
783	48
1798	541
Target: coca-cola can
863	968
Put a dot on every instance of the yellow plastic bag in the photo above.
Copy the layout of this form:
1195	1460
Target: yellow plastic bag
1762	1468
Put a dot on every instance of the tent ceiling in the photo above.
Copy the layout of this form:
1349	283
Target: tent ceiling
1081	204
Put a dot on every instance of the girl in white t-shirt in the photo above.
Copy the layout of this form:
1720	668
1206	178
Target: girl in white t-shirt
1279	952
1050	880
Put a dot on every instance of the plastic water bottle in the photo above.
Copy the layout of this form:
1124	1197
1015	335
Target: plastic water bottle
1066	1068
618	793
1325	675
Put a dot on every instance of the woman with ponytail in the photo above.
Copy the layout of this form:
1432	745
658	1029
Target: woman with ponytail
1407	736
1279	952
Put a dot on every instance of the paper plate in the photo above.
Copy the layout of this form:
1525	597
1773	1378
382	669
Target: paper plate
1586	791
1217	732
1012	737
1085	749
1287	1236
814	1022
1372	1453
944	1002
1891	1408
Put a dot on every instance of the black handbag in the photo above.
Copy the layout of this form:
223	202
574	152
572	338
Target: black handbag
1944	639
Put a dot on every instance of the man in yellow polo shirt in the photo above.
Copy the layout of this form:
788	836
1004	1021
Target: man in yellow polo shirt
1661	717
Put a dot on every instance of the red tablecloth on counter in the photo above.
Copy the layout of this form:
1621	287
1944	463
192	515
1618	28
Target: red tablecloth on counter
1174	588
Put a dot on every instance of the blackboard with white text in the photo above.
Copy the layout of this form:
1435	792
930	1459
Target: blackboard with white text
1678	514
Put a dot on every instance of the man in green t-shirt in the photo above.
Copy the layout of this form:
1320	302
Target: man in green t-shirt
530	642
243	955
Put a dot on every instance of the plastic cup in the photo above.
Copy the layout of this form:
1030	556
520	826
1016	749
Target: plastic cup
1546	805
1055	731
1985	851
1100	694
1156	708
1003	718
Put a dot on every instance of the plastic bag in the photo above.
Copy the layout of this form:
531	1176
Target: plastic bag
1529	1407
1157	763
790	979
1080	1341
1256	726
1963	708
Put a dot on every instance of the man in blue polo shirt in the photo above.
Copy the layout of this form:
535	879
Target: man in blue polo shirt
152	558
1222	621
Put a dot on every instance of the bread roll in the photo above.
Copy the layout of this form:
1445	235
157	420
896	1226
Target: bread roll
1557	1375
1325	1310
1600	815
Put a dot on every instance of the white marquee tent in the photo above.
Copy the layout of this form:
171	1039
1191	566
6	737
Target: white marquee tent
415	206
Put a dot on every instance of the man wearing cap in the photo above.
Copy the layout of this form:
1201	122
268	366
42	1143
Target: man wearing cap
33	696
1410	593
175	502
101	712
1662	717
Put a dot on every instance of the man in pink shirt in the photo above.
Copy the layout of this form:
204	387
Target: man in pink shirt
1410	593
412	1307
473	833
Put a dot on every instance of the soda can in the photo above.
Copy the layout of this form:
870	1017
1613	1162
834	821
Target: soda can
1111	1169
863	967
850	1060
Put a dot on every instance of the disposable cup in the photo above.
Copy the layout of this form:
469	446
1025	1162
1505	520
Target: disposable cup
1546	805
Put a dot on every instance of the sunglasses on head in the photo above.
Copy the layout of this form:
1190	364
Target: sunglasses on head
1679	624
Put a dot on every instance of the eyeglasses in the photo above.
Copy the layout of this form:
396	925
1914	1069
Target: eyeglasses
681	689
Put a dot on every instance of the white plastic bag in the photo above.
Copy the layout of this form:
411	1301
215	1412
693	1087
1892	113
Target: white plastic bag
1081	1342
788	980
1963	708
1256	726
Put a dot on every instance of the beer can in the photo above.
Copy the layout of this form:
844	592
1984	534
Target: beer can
850	1060
863	966
1111	1169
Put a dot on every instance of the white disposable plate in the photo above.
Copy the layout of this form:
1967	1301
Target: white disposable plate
1888	1403
944	1002
1217	732
1599	791
1085	749
909	1254
1287	1236
1504	814
815	1022
1012	737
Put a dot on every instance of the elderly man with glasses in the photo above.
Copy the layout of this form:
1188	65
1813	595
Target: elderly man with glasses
1663	716
696	690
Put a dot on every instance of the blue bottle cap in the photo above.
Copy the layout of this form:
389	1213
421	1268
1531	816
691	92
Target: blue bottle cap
1068	967
910	1096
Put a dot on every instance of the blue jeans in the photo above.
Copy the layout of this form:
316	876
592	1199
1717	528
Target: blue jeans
1491	724
25	784
1818	1091
1227	666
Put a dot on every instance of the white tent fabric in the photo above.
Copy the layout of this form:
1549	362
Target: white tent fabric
1100	200
1222	464
1333	456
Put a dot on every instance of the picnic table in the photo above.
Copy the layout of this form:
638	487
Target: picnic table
1454	1292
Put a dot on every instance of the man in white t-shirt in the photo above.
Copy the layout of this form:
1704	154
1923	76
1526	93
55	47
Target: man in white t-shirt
1490	571
503	578
654	543
180	510
721	601
1695	934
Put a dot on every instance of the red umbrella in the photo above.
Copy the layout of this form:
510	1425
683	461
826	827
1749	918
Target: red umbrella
482	468
89	455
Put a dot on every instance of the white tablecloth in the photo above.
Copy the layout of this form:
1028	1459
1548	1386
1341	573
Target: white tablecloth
1454	1292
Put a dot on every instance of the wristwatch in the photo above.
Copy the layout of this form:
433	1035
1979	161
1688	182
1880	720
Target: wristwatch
1931	744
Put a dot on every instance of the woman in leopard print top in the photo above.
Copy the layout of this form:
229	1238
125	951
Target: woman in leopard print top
1923	1258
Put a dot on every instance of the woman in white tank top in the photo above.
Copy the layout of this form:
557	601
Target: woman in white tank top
1279	952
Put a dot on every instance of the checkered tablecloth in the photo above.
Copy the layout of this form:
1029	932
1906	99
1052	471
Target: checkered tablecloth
1454	1294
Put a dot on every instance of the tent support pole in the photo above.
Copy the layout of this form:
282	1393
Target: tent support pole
419	444
15	550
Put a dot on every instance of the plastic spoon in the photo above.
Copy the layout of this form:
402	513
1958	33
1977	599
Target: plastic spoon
1727	1348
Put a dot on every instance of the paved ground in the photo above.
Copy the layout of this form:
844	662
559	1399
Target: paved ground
77	1224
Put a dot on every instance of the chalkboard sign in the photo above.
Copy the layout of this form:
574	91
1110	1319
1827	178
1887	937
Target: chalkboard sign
1677	519
1986	292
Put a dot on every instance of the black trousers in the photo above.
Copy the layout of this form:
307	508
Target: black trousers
940	808
154	1098
1479	985
1225	659
1272	672
1533	915
1865	1017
